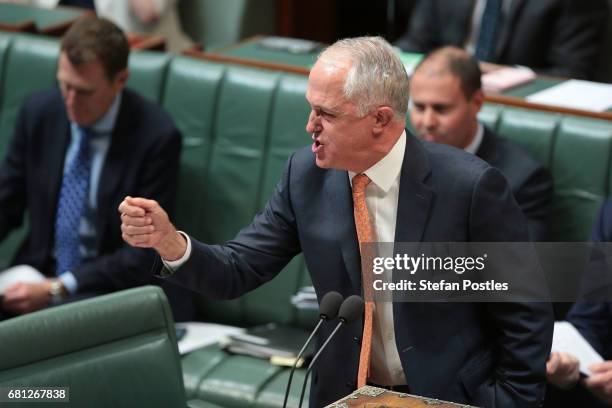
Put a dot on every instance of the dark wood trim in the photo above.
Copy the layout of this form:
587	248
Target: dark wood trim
25	27
140	42
522	103
293	69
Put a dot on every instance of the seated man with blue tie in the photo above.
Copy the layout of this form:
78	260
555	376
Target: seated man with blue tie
76	151
366	178
554	37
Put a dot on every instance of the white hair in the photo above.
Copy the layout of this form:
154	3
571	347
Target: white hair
376	76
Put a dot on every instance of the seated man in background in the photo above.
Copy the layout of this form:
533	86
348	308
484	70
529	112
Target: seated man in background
594	321
446	96
76	151
554	37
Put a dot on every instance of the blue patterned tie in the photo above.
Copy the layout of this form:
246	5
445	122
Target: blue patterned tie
489	28
72	200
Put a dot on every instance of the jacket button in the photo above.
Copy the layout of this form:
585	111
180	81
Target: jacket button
350	385
356	339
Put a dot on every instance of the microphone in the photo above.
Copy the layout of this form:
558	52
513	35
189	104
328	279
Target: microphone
350	309
328	310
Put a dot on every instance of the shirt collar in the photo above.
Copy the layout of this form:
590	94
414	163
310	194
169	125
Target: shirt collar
477	141
106	123
387	170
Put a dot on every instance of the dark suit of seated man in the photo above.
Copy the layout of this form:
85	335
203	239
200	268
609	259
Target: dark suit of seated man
75	153
446	96
553	37
363	161
594	321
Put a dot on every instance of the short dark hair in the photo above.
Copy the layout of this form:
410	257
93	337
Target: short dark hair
91	38
458	63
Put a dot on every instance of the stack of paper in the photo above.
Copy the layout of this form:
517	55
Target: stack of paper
198	335
585	95
277	343
305	299
505	78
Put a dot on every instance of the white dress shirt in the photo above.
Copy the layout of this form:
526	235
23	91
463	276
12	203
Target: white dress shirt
381	199
476	141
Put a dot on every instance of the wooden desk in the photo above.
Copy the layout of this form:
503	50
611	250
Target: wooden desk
144	42
372	397
24	18
250	52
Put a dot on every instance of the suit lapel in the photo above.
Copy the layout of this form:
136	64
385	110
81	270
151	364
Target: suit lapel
117	158
507	26
487	150
415	197
341	195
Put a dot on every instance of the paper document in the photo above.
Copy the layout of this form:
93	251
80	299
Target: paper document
19	273
567	338
576	94
201	334
506	78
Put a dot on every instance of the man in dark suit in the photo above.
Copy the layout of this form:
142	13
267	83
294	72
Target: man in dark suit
594	321
446	96
76	152
487	354
554	37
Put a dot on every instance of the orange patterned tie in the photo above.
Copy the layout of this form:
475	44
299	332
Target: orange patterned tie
365	233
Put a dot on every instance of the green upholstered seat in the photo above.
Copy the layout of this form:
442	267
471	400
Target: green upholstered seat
117	350
581	172
30	65
534	131
148	73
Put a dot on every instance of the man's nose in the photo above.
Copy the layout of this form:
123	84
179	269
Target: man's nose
69	96
313	125
430	120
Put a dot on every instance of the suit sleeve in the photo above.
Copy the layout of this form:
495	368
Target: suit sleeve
124	266
256	255
576	39
522	330
420	35
12	178
535	199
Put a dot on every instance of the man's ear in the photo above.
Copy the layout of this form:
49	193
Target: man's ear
121	79
382	117
478	100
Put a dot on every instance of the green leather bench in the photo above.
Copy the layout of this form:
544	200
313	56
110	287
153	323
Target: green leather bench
117	350
239	125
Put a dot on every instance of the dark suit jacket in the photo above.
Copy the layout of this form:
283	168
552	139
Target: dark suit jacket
594	320
530	182
556	37
142	160
488	354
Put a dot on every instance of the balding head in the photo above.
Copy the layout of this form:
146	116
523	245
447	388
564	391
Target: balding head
456	62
